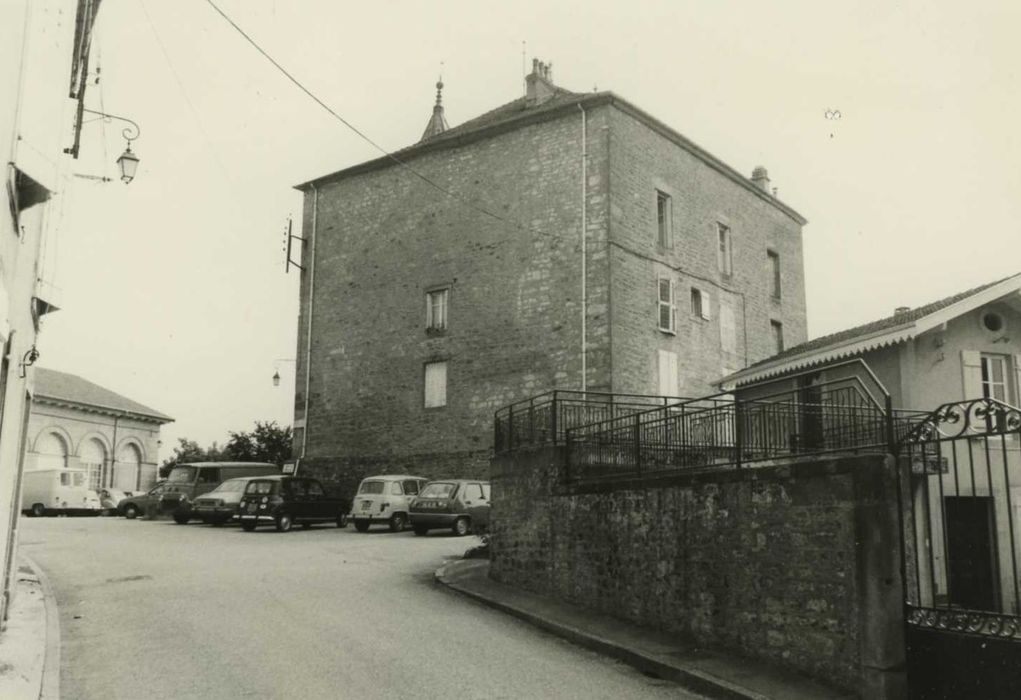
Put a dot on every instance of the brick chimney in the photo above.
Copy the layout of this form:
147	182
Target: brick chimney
760	176
539	85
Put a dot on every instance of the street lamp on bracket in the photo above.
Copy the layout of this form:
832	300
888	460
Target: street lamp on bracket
128	161
276	368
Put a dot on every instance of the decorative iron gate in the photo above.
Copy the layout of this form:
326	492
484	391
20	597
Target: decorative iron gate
961	514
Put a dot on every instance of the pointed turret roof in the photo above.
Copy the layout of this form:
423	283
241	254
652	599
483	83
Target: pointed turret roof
437	122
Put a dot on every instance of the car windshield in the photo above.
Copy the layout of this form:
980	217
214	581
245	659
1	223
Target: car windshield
232	486
371	487
260	487
438	489
182	475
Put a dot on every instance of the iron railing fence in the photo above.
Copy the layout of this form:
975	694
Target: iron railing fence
961	515
719	431
545	419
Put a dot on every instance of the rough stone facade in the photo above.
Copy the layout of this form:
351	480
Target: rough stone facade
379	237
795	565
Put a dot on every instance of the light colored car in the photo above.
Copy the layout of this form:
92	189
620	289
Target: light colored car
111	498
385	500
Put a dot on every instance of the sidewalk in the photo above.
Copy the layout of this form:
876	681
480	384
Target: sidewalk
710	673
30	645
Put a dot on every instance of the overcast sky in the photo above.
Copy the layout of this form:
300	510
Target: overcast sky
173	286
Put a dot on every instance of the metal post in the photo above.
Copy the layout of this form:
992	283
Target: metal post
555	408
738	432
890	443
638	444
510	427
531	420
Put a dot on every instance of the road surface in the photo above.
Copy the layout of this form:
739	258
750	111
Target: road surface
159	610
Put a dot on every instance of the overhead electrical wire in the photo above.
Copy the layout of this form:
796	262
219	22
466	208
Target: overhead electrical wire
362	135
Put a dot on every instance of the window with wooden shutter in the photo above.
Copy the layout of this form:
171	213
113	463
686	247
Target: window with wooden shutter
667	373
666	305
435	384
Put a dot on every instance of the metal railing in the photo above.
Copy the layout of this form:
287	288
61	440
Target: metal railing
720	431
960	519
545	419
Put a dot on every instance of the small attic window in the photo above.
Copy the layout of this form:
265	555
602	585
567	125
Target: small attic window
993	322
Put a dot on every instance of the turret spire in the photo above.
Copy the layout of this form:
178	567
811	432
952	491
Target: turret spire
437	122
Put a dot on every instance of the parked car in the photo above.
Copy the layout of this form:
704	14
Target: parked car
221	504
385	500
186	482
109	499
285	500
459	504
133	506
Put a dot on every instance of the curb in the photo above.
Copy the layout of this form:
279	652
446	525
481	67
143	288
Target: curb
691	679
50	687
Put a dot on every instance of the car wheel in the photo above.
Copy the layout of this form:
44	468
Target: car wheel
398	521
247	527
362	525
284	522
342	520
131	511
38	510
420	530
181	519
461	527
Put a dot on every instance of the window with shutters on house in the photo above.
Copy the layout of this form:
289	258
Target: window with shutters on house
435	384
667	308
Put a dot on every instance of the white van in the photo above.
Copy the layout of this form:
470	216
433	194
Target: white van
385	500
58	491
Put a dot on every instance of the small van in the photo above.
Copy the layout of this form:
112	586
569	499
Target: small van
186	482
385	500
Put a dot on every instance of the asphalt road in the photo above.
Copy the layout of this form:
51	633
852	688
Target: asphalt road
159	610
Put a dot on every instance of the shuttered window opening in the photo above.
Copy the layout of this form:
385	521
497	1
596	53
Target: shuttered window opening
667	320
668	373
435	384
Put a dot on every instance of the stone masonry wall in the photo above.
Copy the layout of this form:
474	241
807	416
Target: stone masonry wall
385	237
643	161
794	565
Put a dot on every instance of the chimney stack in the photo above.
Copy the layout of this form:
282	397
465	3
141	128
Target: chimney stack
760	176
539	85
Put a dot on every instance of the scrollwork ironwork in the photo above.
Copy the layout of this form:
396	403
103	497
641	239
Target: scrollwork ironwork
972	418
989	624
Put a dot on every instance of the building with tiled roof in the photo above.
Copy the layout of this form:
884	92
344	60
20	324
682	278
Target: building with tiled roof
966	345
83	434
562	240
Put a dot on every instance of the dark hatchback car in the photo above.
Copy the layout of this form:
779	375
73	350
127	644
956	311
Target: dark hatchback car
282	501
134	506
459	504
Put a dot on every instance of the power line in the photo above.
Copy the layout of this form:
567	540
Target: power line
362	135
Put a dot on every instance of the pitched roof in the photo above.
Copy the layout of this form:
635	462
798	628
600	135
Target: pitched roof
61	386
518	113
868	336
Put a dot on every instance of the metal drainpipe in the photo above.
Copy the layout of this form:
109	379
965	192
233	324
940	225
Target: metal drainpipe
584	284
311	299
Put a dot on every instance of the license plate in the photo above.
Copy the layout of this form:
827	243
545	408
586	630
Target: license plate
251	507
366	505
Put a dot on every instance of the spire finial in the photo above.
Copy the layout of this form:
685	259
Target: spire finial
437	123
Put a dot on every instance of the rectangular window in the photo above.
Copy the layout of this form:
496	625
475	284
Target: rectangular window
667	373
666	305
994	378
774	271
664	215
777	329
435	384
436	310
728	328
696	302
724	256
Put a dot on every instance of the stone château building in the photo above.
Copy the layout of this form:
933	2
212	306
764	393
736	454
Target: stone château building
561	241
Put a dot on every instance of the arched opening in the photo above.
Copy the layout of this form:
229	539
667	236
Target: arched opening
51	452
125	474
93	460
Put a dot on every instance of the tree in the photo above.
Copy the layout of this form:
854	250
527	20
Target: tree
268	442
